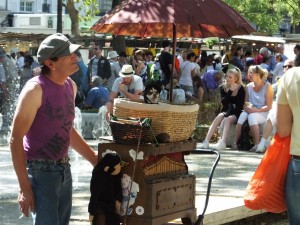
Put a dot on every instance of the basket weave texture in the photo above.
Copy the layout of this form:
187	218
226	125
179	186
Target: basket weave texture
178	121
126	133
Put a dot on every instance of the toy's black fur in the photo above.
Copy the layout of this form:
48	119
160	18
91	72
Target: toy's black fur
106	189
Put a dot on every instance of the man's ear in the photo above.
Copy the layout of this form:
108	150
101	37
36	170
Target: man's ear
106	169
49	63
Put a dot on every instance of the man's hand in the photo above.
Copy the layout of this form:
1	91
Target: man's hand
91	217
26	201
118	207
122	87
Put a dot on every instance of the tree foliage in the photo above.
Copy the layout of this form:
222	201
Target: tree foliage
267	15
80	10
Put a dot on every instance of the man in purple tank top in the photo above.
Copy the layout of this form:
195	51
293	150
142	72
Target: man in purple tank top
42	132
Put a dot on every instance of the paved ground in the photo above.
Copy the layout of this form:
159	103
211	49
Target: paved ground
231	177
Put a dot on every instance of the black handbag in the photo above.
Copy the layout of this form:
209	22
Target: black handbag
230	110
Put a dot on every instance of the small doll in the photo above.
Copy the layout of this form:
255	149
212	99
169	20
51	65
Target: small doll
106	189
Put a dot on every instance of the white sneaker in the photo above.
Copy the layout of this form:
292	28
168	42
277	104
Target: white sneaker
204	144
261	148
221	145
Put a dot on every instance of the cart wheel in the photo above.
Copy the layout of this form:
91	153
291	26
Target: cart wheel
186	221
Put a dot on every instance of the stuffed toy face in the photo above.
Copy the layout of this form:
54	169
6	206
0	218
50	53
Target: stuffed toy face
117	169
111	163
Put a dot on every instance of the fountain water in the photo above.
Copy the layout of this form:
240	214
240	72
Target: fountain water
9	103
101	127
76	164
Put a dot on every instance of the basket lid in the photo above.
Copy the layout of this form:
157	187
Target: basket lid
127	104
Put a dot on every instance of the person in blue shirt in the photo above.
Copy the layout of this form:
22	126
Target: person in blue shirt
97	96
211	79
83	68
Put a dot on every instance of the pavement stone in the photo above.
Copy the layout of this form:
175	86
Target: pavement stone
230	179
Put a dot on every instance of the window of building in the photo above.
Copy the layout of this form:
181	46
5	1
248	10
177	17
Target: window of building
26	6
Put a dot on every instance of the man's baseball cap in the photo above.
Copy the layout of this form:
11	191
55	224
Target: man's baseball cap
55	45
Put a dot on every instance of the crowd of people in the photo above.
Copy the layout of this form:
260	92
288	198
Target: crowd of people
242	82
259	77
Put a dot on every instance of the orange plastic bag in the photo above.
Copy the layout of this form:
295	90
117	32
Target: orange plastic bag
266	188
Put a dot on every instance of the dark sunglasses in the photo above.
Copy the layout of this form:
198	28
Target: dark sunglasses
289	66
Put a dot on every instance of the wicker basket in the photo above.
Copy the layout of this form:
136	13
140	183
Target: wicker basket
178	121
130	132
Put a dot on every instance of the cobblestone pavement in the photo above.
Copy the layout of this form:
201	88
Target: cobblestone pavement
229	181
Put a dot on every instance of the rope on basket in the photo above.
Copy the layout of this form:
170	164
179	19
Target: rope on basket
133	172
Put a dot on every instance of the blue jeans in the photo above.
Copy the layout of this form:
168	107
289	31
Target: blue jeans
52	187
292	192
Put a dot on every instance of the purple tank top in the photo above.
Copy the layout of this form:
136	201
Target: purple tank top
49	135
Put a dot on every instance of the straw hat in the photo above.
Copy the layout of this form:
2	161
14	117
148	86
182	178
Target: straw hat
126	70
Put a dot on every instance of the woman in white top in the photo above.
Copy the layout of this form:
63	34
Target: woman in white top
258	102
187	73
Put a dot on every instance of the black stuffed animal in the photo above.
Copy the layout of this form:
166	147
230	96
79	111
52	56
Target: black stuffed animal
152	91
106	189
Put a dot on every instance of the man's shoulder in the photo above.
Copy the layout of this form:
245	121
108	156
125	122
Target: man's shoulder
92	59
103	58
165	54
102	89
137	78
210	73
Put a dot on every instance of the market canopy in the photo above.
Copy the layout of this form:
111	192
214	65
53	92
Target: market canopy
159	18
256	38
173	19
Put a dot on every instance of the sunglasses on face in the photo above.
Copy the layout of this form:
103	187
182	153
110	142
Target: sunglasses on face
289	66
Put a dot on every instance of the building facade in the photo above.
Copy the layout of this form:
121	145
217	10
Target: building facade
37	16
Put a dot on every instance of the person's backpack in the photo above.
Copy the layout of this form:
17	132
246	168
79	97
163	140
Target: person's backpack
245	141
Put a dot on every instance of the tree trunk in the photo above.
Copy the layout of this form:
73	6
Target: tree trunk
59	17
74	16
118	42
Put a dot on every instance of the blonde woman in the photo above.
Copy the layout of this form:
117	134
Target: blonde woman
258	102
232	99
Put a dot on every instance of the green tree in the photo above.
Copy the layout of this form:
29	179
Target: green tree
80	10
88	9
267	15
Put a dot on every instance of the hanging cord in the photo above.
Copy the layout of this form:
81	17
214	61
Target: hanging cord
147	121
133	173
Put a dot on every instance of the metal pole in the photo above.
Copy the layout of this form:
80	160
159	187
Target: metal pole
59	17
173	65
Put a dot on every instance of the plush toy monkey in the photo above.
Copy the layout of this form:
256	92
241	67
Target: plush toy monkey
106	189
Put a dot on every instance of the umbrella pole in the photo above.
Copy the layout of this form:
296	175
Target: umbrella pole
173	65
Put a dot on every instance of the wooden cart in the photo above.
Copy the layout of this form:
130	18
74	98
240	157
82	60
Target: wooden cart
164	190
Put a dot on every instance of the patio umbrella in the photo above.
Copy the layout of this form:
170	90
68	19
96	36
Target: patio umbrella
173	19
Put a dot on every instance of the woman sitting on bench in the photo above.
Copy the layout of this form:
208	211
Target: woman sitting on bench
258	102
232	99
